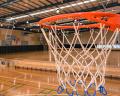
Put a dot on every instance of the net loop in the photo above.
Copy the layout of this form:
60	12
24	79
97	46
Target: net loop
74	93
91	85
79	82
86	93
102	90
73	83
60	89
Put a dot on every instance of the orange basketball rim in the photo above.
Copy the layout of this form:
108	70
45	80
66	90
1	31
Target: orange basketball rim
110	20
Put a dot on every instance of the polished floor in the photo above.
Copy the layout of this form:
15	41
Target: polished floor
23	82
37	55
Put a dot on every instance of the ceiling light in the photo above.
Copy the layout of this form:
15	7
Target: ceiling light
13	26
75	20
113	10
58	11
27	22
1	25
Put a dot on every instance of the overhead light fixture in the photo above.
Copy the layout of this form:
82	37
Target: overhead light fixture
27	22
75	20
13	26
1	25
113	10
58	11
24	28
50	10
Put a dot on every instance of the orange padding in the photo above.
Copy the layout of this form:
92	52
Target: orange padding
112	20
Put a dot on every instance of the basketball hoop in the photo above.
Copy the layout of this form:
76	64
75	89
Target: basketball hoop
81	69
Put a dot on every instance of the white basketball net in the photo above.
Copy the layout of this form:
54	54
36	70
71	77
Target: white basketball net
79	68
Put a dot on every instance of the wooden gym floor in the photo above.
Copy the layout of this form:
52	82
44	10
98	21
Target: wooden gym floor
22	82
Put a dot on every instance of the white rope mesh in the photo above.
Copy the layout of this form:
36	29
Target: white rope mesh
80	66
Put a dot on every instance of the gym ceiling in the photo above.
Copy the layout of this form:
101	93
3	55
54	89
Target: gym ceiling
22	14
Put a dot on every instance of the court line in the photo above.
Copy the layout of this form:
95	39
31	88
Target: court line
32	81
14	86
25	73
27	80
41	95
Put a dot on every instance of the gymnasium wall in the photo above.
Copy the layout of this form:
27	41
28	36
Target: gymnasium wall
12	41
84	36
17	38
114	59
